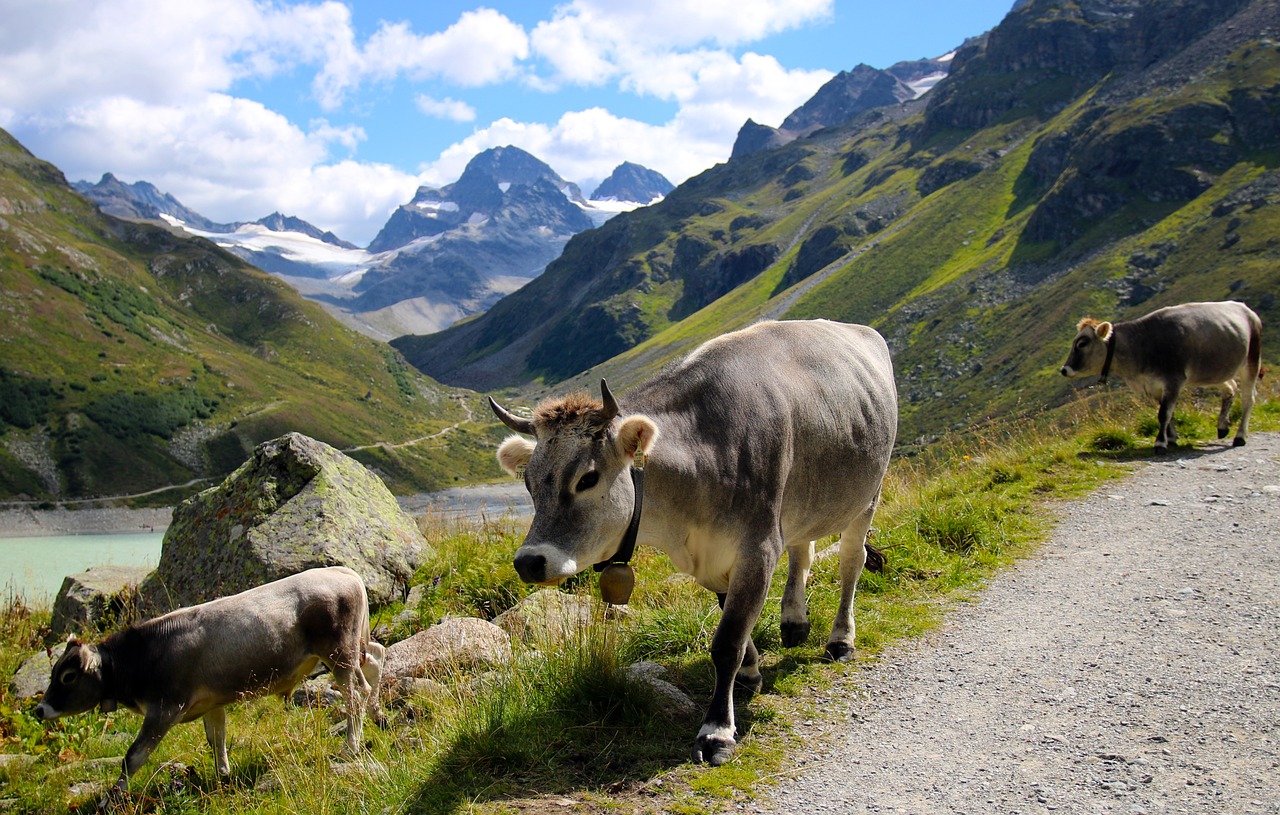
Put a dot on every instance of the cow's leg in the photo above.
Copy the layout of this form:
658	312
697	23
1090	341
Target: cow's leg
374	654
1228	391
155	725
1166	435
795	610
348	671
748	676
1248	392
853	556
215	730
742	605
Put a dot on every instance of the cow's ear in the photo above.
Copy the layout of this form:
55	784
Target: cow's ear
1104	331
637	433
514	453
72	639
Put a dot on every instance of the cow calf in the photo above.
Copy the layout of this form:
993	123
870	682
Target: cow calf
194	661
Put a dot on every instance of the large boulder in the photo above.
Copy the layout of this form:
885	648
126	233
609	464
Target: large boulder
96	598
297	503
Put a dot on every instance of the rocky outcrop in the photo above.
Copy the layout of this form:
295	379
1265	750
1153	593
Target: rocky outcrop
295	504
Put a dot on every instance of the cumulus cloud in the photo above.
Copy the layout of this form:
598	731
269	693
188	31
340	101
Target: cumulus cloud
446	108
481	48
592	41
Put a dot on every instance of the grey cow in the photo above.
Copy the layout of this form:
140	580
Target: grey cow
192	662
760	441
1192	344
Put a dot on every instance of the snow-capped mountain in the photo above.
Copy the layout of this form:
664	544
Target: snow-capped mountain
446	254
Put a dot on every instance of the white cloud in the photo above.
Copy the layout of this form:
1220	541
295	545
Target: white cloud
590	41
230	159
445	108
483	47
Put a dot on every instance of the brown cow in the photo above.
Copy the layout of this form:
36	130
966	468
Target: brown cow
1171	348
192	662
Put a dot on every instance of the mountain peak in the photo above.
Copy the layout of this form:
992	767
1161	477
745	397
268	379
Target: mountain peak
633	182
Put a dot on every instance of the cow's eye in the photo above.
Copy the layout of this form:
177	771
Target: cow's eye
588	481
1083	342
67	677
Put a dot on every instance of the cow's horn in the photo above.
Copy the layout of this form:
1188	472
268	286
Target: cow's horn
610	404
511	420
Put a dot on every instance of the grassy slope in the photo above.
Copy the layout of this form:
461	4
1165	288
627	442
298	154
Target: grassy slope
117	321
561	722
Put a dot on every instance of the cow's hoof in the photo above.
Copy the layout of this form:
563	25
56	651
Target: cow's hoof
839	652
1161	449
1239	442
712	751
794	634
1223	431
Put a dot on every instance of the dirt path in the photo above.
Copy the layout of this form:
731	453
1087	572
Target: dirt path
1133	666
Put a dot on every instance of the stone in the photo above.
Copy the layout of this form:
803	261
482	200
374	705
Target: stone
32	676
548	613
95	599
677	703
296	504
453	643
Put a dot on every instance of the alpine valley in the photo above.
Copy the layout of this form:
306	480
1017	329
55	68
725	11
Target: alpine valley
1102	157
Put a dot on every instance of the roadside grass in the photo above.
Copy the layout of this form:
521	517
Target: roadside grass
560	728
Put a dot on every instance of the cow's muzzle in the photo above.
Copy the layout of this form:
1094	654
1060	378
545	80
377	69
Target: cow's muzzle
531	566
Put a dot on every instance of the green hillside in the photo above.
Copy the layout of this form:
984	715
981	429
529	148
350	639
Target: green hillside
132	359
1105	158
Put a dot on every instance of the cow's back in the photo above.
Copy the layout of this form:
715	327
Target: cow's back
1206	342
793	418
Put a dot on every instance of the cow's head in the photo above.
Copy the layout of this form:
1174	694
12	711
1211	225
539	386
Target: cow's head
576	468
1088	350
75	684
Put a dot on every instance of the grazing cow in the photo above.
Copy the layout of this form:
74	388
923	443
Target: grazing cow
1170	348
194	661
760	441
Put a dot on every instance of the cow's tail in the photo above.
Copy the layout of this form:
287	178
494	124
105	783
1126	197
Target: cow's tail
875	558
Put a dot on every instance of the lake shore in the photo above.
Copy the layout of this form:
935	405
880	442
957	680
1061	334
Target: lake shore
26	522
493	500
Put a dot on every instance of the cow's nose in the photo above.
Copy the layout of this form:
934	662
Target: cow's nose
1064	370
531	567
40	711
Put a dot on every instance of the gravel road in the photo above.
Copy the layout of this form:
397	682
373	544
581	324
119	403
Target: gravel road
1132	666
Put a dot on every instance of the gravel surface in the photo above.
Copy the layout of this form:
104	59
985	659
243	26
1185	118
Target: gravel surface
1132	666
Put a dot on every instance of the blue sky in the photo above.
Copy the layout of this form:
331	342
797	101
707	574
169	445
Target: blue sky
336	112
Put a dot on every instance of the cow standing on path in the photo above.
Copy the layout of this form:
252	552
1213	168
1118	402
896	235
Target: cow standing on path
760	441
1195	344
192	662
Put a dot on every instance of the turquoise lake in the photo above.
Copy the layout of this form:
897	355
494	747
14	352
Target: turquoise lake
33	568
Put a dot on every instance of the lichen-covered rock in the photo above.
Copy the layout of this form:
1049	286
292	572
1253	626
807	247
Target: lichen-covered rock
100	595
454	642
296	504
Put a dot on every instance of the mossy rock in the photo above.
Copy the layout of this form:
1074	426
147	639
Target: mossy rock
296	504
